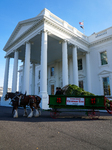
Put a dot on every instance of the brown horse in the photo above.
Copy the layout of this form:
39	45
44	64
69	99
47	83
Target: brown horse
21	100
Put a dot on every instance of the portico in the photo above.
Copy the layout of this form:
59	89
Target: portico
43	40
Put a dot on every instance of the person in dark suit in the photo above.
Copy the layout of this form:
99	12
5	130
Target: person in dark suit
58	91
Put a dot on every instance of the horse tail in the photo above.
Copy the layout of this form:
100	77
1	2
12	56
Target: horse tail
12	110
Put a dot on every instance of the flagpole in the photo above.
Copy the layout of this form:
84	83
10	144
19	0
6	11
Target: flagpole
83	28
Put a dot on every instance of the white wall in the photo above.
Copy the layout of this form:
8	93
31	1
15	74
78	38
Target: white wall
97	70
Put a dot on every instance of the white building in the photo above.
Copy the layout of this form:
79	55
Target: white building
54	53
1	92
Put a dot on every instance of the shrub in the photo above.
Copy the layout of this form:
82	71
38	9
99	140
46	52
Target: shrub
74	90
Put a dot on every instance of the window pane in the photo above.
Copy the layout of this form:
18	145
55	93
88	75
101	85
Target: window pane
38	89
81	84
106	86
103	58
52	71
39	74
79	64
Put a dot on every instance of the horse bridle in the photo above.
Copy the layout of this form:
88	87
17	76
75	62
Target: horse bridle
6	96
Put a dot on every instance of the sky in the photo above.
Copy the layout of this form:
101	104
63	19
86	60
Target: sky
96	14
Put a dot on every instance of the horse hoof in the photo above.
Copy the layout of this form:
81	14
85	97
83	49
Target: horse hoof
36	115
15	117
39	113
25	115
29	117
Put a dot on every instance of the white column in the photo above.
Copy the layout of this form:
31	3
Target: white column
33	79
64	63
75	67
88	78
43	76
27	68
23	77
43	87
15	71
71	70
6	76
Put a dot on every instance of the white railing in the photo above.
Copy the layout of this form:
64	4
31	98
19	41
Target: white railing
66	25
56	19
70	27
100	34
82	35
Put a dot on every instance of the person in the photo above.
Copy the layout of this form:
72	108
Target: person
58	91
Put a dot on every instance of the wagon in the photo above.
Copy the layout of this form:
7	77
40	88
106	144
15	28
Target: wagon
90	104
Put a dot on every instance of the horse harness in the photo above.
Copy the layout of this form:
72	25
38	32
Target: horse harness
15	100
32	99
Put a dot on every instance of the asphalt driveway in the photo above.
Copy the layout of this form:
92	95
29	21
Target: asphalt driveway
70	131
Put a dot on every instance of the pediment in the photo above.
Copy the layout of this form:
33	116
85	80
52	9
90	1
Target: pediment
21	28
105	72
81	76
51	81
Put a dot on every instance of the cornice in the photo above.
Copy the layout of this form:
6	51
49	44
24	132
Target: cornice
74	36
61	28
100	41
38	22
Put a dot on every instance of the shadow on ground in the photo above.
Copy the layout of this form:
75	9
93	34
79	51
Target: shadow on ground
6	115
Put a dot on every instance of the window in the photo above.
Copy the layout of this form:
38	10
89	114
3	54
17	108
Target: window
103	56
81	84
39	74
38	89
52	89
79	64
52	71
106	86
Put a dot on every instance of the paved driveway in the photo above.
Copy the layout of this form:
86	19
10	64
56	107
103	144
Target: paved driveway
71	131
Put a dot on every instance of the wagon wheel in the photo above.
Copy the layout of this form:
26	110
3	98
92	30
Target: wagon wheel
54	114
108	107
93	114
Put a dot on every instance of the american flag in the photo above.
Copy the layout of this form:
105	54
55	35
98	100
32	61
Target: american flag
81	23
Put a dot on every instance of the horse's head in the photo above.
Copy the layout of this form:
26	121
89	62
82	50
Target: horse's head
6	97
9	95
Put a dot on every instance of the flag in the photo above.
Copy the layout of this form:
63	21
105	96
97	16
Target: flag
81	23
82	27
